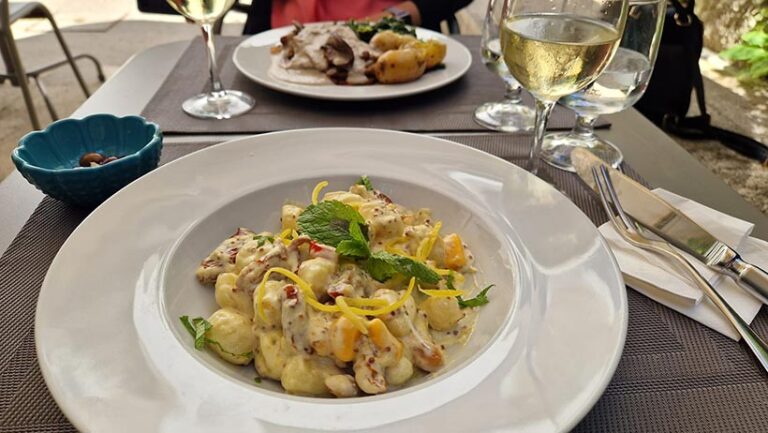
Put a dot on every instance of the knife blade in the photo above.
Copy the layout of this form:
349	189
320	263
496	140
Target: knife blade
670	224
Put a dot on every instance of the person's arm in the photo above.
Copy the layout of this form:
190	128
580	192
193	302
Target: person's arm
408	6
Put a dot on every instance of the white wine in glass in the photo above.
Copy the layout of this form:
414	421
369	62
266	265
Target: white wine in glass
555	48
622	83
218	103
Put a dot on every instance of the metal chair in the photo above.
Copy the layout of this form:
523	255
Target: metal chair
11	12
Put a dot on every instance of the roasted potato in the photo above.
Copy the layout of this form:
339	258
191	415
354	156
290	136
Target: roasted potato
399	66
434	51
389	40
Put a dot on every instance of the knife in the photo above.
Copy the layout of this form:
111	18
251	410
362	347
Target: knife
673	226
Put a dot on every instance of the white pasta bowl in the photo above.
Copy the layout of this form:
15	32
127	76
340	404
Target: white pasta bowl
116	357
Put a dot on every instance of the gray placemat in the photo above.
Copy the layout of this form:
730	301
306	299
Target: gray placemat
675	375
449	108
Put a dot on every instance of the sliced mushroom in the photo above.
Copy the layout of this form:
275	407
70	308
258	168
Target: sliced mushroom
338	52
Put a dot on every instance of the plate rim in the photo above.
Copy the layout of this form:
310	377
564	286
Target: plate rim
306	90
79	421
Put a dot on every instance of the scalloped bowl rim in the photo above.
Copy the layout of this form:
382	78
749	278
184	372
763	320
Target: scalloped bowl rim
157	136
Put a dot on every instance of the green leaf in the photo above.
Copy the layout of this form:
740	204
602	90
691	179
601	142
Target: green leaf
257	379
378	269
365	182
367	30
328	222
449	281
402	265
263	239
197	327
477	301
756	38
353	248
743	53
217	344
759	69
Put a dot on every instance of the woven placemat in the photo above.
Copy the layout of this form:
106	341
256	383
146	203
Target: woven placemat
450	108
675	375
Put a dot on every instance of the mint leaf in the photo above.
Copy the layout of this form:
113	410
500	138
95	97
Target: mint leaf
379	270
365	182
328	222
263	239
197	327
477	301
353	248
449	282
357	233
402	265
217	344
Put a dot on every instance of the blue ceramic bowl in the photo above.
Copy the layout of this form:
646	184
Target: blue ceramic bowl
49	159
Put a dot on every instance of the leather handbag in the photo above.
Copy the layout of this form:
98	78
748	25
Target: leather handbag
677	74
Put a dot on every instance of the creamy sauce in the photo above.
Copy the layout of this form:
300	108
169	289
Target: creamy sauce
308	63
298	76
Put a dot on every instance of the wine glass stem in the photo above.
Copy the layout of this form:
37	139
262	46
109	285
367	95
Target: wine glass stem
512	93
213	69
585	126
543	110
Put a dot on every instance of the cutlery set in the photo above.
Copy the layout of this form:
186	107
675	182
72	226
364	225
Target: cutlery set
634	211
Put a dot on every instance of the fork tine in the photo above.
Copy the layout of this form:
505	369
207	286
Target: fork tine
606	176
606	203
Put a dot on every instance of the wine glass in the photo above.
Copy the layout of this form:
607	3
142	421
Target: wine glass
621	84
509	115
218	103
557	47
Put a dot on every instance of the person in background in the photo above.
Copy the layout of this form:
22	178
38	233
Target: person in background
266	14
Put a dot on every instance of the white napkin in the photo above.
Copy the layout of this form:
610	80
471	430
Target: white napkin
655	277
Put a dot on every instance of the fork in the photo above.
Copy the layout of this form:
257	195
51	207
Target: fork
633	234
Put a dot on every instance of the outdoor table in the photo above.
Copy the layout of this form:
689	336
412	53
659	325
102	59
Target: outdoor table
657	404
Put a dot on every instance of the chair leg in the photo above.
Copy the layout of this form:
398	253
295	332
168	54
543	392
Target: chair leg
44	93
65	48
21	78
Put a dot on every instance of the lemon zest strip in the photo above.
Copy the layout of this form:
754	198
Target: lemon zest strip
316	191
425	247
356	320
442	293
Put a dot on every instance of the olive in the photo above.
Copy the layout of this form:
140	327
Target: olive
88	158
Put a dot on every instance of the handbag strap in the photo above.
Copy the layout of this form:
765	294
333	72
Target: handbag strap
683	12
699	127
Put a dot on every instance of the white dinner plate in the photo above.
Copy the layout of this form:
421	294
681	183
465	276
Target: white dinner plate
252	58
116	358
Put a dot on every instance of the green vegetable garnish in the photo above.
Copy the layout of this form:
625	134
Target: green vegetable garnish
366	183
378	269
329	222
263	239
477	301
367	30
355	247
401	265
341	226
257	379
198	327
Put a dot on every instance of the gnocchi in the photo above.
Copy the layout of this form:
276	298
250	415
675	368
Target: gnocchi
307	313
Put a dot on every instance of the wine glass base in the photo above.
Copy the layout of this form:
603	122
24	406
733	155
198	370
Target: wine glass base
505	117
556	150
218	105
